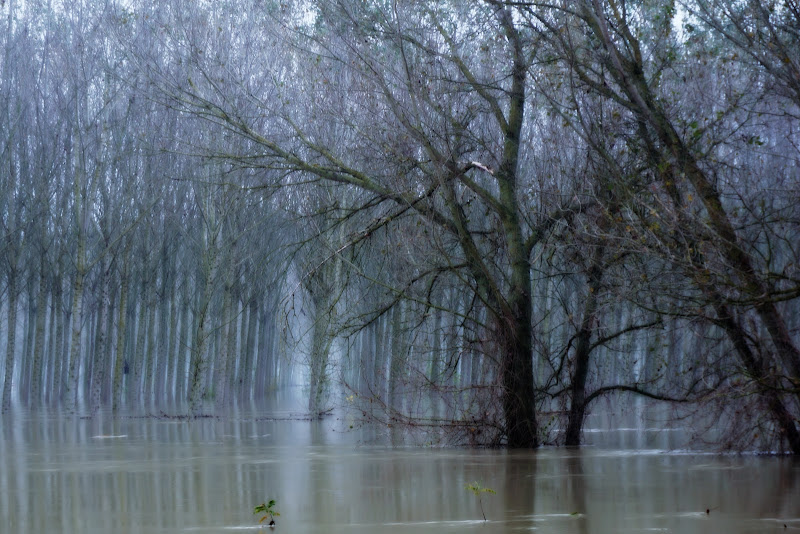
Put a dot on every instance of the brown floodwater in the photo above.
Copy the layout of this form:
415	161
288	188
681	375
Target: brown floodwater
72	475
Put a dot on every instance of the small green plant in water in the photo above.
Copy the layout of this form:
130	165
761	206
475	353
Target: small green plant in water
477	489
269	511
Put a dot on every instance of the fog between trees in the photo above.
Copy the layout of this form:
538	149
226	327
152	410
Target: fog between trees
479	217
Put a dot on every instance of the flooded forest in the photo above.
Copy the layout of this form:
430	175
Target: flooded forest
472	222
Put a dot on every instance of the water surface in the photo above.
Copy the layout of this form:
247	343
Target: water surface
68	475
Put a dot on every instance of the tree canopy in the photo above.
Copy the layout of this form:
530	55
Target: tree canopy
473	218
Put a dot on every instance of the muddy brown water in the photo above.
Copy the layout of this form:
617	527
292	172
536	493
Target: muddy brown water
72	475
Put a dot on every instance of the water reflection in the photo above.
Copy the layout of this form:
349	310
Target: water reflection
138	475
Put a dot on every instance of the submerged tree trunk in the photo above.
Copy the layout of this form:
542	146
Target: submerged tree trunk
75	352
225	354
166	301
199	359
101	353
150	352
583	348
324	287
172	351
61	356
516	335
53	351
36	396
320	352
10	342
29	327
119	360
519	401
266	333
183	343
137	365
249	347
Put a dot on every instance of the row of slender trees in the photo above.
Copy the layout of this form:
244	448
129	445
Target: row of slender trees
125	265
472	216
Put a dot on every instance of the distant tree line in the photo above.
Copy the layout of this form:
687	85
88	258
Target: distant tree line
470	217
133	273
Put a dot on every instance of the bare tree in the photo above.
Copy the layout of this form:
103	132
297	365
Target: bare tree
688	204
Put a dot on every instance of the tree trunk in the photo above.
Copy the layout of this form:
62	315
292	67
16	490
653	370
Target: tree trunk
181	375
38	349
250	346
165	297
173	351
61	357
265	351
225	353
577	411
119	360
67	344
49	383
320	348
150	356
100	350
199	359
11	341
516	331
75	355
519	407
26	374
137	367
234	379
